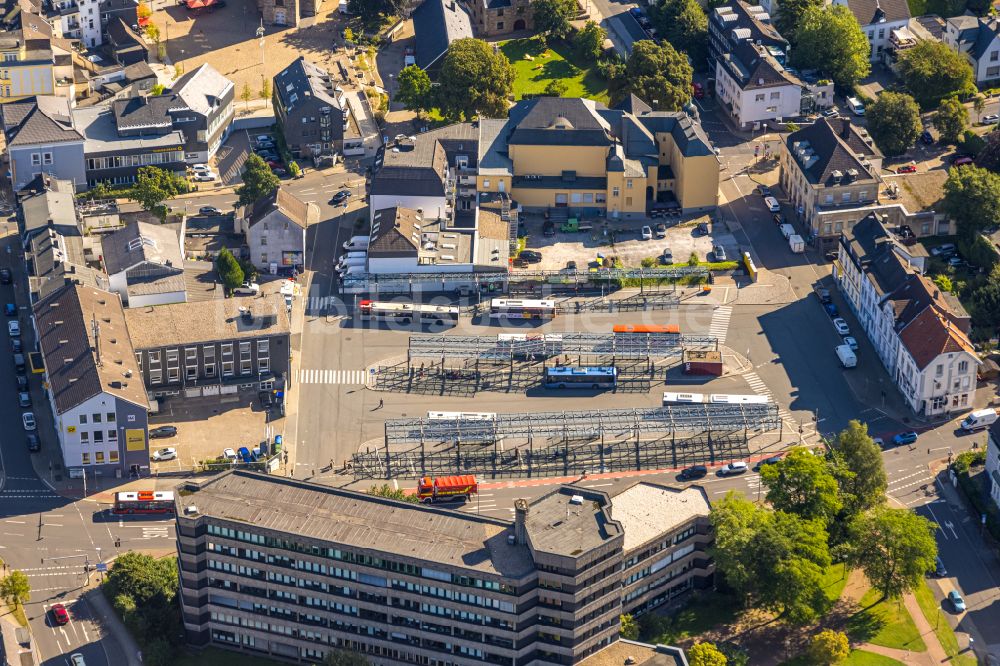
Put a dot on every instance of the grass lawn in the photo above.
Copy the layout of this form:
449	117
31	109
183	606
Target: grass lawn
216	657
834	580
703	612
886	623
931	609
864	658
918	6
555	63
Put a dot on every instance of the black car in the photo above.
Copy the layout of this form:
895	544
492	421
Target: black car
693	472
767	461
5	276
209	210
22	383
530	256
549	228
926	137
162	431
15	345
24	399
266	399
764	190
34	444
340	197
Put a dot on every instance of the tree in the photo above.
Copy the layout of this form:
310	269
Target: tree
894	122
15	589
552	16
978	105
972	198
683	23
153	33
894	548
372	10
157	89
246	95
258	181
629	627
829	647
986	302
589	41
345	658
414	90
803	484
790	15
387	491
229	269
154	185
951	120
143	11
658	75
860	472
830	40
706	654
556	88
265	89
933	72
474	80
143	590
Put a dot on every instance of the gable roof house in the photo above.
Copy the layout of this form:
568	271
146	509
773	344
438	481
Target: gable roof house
275	230
145	264
436	24
978	39
755	86
42	138
878	18
311	115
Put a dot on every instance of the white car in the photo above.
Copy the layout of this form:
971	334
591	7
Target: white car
247	289
13	328
168	453
772	204
204	176
28	419
647	233
991	119
851	342
77	659
841	326
733	469
202	168
229	454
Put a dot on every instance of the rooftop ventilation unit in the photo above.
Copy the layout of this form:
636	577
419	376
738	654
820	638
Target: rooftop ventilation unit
576	499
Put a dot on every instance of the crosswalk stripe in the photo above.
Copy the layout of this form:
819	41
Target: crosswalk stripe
720	322
325	376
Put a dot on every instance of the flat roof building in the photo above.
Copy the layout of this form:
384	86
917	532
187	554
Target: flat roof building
294	569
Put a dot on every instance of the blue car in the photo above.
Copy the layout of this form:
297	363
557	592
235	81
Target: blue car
904	438
245	454
831	309
10	309
957	602
635	11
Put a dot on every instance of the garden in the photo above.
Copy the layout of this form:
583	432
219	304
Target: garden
553	68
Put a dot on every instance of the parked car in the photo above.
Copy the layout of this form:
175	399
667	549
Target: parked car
660	230
904	438
13	328
229	454
162	431
939	569
880	443
733	468
570	265
247	289
340	197
28	420
926	137
824	295
24	399
204	177
5	276
76	659
646	233
719	252
531	256
279	171
961	161
831	310
851	342
957	602
34	444
693	472
907	168
549	228
15	345
169	453
841	326
200	167
943	250
702	229
764	190
60	615
772	204
829	113
10	309
667	256
955	262
991	119
767	461
21	382
209	210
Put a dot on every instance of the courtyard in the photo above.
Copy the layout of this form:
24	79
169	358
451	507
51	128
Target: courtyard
537	65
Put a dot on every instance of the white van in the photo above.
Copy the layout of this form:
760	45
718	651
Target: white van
346	264
981	418
857	108
357	243
772	204
847	357
353	270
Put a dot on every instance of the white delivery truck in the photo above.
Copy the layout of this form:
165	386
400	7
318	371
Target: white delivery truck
348	263
847	357
357	243
787	230
796	243
981	418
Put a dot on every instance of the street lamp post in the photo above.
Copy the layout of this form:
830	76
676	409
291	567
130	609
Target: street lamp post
260	37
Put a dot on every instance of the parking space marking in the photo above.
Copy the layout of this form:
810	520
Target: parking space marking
314	376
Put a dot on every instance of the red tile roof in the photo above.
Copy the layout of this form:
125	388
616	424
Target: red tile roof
931	334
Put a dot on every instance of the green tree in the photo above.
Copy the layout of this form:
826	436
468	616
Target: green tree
790	15
829	39
951	120
154	185
414	90
143	11
589	41
933	72
258	181
683	23
706	654
230	271
15	589
978	105
157	89
153	33
860	471
246	95
475	80
658	75
387	491
829	647
803	484
143	590
372	10
629	627
345	658
985	300
556	88
552	17
972	198
895	548
894	122
265	89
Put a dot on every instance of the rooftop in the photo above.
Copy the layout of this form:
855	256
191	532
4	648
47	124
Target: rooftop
830	147
357	520
917	192
570	521
931	334
623	652
142	242
39	120
647	510
202	89
97	124
436	24
207	321
870	12
297	211
302	80
54	202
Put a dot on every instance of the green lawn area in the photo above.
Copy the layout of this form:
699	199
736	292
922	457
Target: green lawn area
932	611
886	623
703	612
834	580
865	658
216	657
555	63
917	7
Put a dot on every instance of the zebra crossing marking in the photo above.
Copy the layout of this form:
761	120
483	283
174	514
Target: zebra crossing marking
720	322
319	376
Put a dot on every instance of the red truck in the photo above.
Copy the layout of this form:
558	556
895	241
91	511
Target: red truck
447	488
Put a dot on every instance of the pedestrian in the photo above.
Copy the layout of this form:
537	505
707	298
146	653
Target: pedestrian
381	403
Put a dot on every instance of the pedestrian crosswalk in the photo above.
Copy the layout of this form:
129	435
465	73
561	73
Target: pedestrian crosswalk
25	493
758	386
314	376
324	305
720	322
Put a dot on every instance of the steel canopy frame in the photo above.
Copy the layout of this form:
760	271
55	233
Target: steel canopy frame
619	345
555	276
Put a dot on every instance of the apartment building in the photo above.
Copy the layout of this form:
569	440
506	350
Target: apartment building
831	173
993	463
978	39
275	229
293	569
31	61
92	381
286	13
310	115
145	263
739	22
878	18
41	138
211	347
919	333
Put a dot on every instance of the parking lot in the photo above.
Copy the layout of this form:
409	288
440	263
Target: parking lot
682	237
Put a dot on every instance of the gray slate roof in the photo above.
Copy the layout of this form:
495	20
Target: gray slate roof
395	232
561	121
39	120
304	79
754	69
55	202
436	24
871	12
142	242
151	113
419	166
201	89
296	210
835	148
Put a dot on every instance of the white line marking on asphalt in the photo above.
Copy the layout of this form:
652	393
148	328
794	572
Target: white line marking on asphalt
16	522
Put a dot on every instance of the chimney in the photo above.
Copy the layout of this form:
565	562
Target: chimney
520	520
50	223
845	127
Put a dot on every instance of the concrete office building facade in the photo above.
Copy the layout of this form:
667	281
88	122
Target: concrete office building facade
294	570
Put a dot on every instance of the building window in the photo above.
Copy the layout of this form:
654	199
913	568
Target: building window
85	458
210	369
112	435
245	368
95	418
263	240
191	372
84	437
938	370
262	347
628	184
98	437
110	417
112	456
614	191
881	33
500	25
994	56
963	366
155	376
36	159
263	365
845	197
83	419
227	368
99	457
486	183
992	72
828	198
871	35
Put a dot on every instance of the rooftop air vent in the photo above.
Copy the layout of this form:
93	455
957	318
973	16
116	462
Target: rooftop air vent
576	499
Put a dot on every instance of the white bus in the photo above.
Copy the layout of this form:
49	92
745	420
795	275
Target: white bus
714	399
404	312
461	416
516	308
670	398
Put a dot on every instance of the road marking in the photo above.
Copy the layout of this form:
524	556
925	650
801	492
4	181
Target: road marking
908	476
319	376
720	322
16	522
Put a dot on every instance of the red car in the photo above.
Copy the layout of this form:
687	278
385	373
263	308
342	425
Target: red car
59	614
907	168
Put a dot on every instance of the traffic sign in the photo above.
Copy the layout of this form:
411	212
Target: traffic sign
102	567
